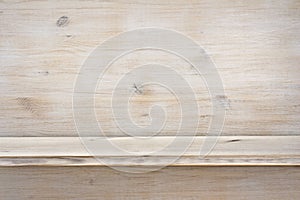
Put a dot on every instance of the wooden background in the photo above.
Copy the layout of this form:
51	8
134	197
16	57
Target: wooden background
170	183
255	46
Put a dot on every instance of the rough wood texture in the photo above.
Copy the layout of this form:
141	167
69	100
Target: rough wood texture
255	46
229	151
93	183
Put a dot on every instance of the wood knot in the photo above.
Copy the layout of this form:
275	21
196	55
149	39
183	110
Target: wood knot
137	90
28	104
224	101
62	21
34	106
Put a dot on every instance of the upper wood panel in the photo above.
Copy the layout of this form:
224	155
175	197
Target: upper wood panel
255	46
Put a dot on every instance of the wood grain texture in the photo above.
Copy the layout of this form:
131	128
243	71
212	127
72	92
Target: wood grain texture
229	151
255	46
224	183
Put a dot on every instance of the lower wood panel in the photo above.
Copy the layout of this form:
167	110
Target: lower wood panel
169	183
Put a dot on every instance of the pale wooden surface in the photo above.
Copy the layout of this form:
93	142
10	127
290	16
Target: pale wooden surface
94	183
255	46
229	151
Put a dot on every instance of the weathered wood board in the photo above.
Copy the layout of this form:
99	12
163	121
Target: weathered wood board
255	47
229	151
49	183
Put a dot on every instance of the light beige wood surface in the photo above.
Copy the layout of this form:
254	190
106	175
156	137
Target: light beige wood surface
255	46
94	183
229	151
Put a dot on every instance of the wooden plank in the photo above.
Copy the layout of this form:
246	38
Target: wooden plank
226	183
229	151
255	46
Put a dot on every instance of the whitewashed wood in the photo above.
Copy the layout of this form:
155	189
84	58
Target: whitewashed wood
229	151
255	46
93	183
